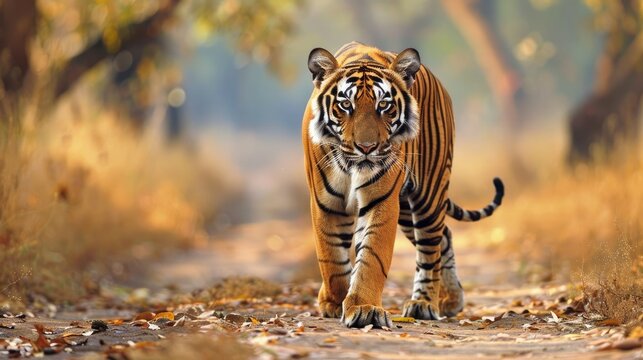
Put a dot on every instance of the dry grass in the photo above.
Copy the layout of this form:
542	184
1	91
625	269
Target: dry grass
615	290
583	227
573	221
79	191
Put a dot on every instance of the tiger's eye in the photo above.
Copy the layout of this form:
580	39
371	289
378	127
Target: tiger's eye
382	105
346	104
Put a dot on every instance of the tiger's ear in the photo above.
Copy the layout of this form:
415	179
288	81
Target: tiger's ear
407	63
321	63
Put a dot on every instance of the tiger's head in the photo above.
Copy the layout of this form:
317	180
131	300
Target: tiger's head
363	109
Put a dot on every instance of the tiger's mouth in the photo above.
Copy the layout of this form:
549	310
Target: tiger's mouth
368	162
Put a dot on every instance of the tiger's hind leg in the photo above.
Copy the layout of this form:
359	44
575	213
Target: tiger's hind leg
451	293
427	237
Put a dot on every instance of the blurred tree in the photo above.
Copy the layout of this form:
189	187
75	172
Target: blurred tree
66	39
17	28
475	20
113	40
607	121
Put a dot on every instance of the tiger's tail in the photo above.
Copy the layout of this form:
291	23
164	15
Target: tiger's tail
456	212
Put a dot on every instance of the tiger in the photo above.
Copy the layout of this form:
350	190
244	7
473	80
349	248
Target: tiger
378	134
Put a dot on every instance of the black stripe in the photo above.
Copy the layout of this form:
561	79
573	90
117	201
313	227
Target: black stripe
434	241
332	277
427	265
427	252
363	211
500	191
425	281
358	248
452	257
446	248
429	220
377	257
341	236
374	178
336	262
327	185
344	244
328	210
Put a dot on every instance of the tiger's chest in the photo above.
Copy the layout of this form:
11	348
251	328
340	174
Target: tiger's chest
351	188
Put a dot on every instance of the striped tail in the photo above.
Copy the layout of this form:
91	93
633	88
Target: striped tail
456	212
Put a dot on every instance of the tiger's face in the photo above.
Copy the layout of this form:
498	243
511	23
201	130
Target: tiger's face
363	110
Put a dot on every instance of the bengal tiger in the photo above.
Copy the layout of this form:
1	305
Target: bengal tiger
378	139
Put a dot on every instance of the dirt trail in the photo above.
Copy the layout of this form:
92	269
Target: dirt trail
502	318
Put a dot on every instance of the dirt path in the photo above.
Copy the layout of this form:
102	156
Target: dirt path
502	318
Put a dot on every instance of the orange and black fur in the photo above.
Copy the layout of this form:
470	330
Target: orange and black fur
378	139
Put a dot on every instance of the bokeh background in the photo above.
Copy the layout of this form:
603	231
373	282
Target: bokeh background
137	130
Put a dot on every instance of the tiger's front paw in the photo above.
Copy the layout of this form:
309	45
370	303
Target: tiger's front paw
330	309
362	315
420	309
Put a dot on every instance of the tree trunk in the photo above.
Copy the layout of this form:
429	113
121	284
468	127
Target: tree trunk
17	28
503	77
607	122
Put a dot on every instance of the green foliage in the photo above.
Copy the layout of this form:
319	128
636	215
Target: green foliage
259	28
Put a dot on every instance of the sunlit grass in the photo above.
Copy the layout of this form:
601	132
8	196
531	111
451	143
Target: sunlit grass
80	191
582	225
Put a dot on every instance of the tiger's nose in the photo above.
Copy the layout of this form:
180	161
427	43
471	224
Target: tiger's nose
366	147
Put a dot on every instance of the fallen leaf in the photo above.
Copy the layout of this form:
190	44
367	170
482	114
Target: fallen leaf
59	341
99	325
403	319
300	354
636	333
139	322
300	327
609	322
403	335
164	315
554	318
145	316
235	318
330	340
367	328
206	314
180	321
303	315
41	342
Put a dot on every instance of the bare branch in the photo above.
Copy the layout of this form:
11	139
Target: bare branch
131	35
